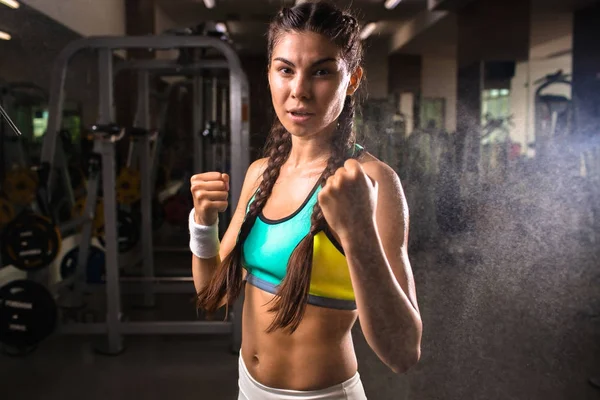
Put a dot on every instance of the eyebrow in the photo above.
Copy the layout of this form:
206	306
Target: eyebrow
318	62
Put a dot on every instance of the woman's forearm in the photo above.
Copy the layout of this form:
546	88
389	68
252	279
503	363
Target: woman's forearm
203	270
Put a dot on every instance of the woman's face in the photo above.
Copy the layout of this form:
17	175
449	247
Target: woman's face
309	82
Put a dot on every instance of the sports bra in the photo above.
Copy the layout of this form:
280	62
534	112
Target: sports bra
270	243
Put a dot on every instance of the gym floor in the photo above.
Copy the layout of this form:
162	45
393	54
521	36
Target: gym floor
487	335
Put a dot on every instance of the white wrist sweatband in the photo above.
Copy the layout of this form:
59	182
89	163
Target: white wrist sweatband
204	240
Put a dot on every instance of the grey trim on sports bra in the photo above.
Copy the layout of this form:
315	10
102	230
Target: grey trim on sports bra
319	301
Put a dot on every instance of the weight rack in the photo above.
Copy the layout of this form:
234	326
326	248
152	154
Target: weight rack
106	135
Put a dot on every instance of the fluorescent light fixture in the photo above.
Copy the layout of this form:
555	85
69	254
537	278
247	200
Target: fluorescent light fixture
5	36
10	3
221	27
368	30
209	3
391	4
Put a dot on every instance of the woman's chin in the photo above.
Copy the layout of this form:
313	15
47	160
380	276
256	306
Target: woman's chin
304	130
299	130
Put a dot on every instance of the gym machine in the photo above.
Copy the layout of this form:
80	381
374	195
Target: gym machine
161	68
496	151
209	126
106	134
554	116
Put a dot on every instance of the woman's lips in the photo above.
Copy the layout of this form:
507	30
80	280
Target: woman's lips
300	117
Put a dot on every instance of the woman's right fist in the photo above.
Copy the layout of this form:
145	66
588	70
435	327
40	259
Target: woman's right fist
210	191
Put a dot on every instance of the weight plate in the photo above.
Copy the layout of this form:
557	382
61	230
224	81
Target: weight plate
128	186
28	313
7	212
30	242
20	186
95	268
128	232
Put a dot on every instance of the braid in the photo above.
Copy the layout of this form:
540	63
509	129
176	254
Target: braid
290	305
277	150
227	279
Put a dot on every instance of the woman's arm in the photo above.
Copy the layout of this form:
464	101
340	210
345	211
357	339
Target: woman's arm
203	269
382	277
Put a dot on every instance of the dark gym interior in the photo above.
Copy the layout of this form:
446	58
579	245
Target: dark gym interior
488	111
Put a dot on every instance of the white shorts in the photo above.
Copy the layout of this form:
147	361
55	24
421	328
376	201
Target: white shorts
250	389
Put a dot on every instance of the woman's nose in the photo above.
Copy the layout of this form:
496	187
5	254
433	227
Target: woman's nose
301	87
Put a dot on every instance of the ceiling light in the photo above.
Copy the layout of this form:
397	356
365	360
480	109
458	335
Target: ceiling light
10	3
209	3
221	27
391	4
298	2
5	36
368	30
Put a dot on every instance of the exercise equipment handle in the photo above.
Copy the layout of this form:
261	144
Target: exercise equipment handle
113	131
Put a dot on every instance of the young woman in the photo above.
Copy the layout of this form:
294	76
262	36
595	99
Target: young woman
320	232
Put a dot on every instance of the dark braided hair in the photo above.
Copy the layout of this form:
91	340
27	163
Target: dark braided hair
289	306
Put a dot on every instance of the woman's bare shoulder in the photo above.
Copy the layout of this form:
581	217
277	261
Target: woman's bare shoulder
376	168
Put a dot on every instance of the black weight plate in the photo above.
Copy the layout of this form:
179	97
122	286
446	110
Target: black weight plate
30	242
28	313
69	263
95	267
128	232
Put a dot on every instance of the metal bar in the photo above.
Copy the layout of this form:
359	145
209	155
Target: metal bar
239	130
10	122
146	185
160	273
154	328
113	294
171	68
214	95
86	231
236	324
214	115
198	123
157	288
156	279
164	249
223	153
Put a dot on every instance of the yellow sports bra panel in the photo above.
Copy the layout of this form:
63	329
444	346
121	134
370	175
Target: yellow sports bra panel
330	275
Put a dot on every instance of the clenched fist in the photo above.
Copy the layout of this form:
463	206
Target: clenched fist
348	199
210	191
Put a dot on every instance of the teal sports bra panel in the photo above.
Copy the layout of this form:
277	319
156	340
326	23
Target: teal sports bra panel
270	257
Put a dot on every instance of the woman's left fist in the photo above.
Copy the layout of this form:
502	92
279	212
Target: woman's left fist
348	199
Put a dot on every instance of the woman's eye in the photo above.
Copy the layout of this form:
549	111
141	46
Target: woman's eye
285	70
322	72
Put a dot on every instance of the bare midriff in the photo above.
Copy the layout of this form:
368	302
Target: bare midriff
318	355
